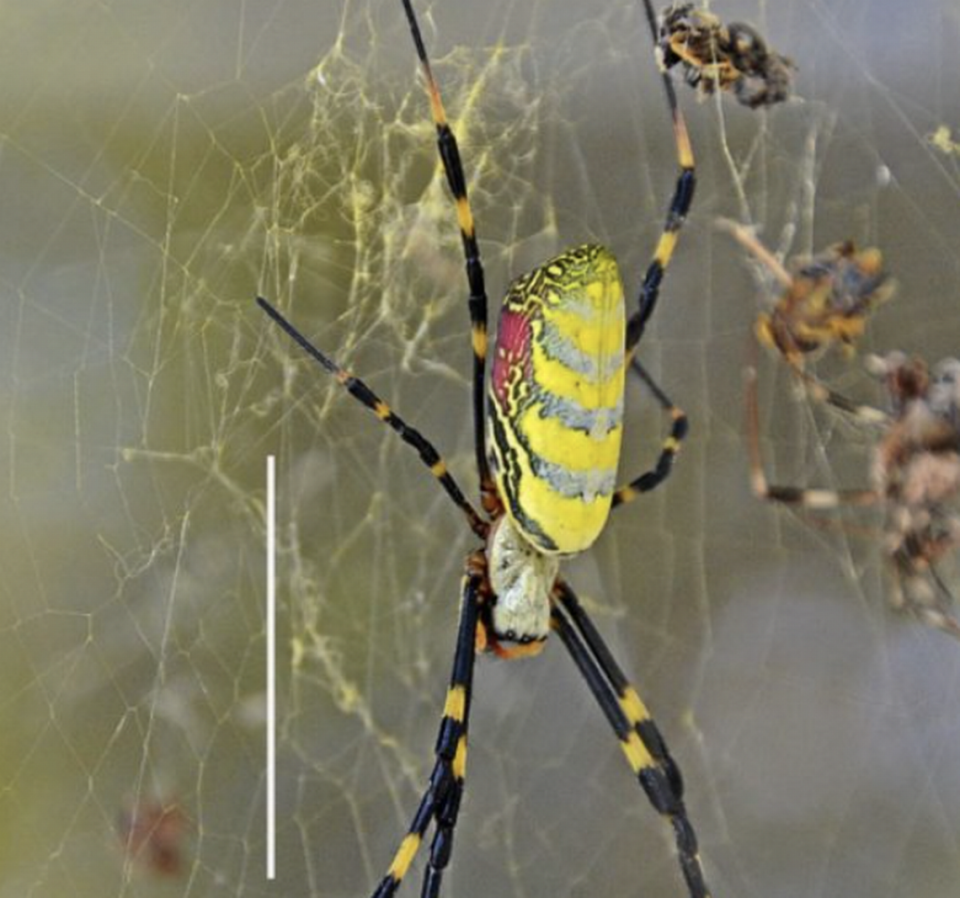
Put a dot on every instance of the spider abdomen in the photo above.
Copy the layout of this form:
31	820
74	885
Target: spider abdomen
555	407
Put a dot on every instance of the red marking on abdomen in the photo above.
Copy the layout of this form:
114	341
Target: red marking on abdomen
512	350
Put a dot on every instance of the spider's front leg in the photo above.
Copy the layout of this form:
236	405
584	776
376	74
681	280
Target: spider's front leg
441	801
680	204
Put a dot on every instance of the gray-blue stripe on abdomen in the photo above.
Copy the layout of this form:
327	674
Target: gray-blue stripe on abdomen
562	349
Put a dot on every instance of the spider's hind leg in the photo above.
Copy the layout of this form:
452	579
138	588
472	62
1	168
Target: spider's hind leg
640	739
441	801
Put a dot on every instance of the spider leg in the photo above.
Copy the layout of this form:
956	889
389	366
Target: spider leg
819	391
477	301
630	702
679	204
814	499
668	452
747	238
626	714
441	801
411	436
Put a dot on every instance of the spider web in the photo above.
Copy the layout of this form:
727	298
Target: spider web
162	163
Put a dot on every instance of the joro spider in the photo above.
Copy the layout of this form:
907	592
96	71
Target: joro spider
552	422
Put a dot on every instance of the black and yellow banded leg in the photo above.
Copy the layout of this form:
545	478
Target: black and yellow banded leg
654	779
679	204
440	804
801	497
668	451
630	702
477	301
411	436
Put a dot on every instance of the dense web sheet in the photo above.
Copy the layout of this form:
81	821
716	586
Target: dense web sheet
159	165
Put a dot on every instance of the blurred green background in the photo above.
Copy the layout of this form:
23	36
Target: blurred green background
162	163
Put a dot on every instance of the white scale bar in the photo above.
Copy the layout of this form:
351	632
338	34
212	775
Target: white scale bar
271	668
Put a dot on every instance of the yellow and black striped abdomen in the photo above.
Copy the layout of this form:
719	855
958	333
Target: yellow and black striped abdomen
556	398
